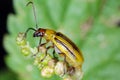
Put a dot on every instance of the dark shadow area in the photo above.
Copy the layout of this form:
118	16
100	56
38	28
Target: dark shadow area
6	7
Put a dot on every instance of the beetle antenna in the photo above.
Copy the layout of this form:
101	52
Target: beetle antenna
28	31
34	12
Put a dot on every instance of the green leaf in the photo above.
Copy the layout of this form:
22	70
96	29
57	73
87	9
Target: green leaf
91	24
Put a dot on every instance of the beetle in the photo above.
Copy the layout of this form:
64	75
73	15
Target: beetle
60	43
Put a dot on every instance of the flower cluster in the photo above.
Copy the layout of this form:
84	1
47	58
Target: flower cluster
49	65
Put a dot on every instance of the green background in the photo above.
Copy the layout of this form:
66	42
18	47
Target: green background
91	24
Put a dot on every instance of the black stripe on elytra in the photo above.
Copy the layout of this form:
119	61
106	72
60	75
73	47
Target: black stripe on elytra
64	46
67	39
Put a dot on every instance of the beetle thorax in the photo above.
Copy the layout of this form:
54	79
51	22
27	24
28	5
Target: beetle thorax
49	34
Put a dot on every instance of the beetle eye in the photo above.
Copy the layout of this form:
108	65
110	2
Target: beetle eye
40	34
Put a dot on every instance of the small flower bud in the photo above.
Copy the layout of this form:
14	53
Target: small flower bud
78	74
52	63
43	63
42	49
68	78
60	68
47	71
20	39
25	49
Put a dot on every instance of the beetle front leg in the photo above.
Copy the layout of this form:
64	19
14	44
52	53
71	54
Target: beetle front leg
49	47
43	45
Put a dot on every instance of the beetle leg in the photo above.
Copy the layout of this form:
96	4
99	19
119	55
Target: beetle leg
71	70
40	45
63	55
54	53
46	52
40	40
65	63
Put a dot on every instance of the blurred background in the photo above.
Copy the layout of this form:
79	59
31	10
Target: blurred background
94	26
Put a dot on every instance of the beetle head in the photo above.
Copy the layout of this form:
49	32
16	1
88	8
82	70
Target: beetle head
39	33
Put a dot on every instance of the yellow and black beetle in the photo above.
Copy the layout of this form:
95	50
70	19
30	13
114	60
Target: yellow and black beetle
61	44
